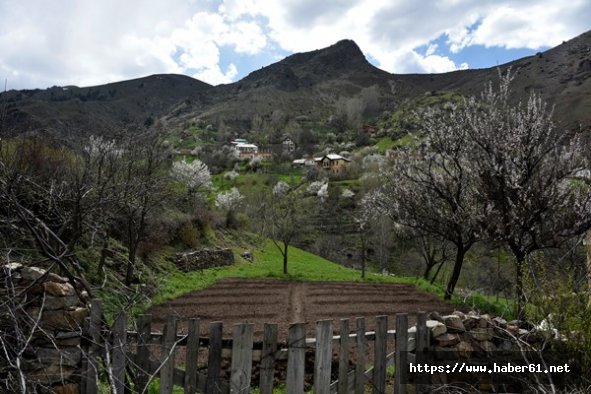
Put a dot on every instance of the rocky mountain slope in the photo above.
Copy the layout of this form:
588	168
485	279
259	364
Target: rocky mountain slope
312	84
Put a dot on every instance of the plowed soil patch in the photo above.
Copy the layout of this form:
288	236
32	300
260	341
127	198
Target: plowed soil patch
260	301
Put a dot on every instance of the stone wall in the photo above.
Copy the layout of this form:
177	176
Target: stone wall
203	259
480	340
41	315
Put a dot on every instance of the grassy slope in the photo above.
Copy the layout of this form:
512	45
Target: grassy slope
302	266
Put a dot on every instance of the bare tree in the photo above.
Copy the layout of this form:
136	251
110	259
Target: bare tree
144	189
283	217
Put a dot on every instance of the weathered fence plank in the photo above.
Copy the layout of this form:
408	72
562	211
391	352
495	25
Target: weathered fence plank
379	372
422	344
119	352
360	357
323	358
192	351
343	386
167	356
241	358
296	358
268	358
401	348
144	328
94	333
214	360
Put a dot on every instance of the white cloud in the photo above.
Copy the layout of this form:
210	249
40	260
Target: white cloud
89	42
216	76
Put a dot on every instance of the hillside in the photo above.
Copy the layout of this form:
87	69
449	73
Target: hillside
97	109
312	84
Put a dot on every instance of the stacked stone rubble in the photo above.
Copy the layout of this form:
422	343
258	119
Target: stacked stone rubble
203	259
469	337
46	308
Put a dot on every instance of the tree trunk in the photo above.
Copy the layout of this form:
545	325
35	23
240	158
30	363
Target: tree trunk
285	246
455	275
437	272
588	265
102	260
363	245
428	268
519	266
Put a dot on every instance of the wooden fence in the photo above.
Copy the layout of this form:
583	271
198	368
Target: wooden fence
129	362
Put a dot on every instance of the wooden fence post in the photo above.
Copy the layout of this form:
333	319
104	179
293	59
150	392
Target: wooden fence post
422	344
360	357
167	356
94	332
296	357
192	357
323	358
401	355
214	359
343	385
379	371
268	358
119	351
144	328
241	358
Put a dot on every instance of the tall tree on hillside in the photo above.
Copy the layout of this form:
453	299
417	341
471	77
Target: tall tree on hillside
428	188
525	169
488	168
284	217
143	189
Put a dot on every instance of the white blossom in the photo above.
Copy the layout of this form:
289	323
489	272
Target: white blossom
194	175
280	189
323	192
98	147
229	200
347	193
231	175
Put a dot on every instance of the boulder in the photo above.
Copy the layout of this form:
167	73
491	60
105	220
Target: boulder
436	316
51	374
64	320
499	322
32	273
453	323
460	314
487	346
447	340
66	356
437	328
53	303
484	321
59	289
465	349
471	322
482	334
66	389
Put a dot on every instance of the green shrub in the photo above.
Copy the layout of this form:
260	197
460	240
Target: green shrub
188	235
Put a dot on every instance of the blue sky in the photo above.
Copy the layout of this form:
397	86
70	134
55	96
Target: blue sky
89	42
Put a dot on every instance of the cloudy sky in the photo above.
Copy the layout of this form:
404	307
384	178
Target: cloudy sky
89	42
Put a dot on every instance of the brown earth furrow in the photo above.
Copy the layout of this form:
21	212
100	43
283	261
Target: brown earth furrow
262	301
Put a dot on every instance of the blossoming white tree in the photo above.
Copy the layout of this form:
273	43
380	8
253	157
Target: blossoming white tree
488	168
194	175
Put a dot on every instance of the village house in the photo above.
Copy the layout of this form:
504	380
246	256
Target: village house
287	146
332	163
250	151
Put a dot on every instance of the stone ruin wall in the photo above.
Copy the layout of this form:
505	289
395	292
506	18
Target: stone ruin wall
203	259
46	308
